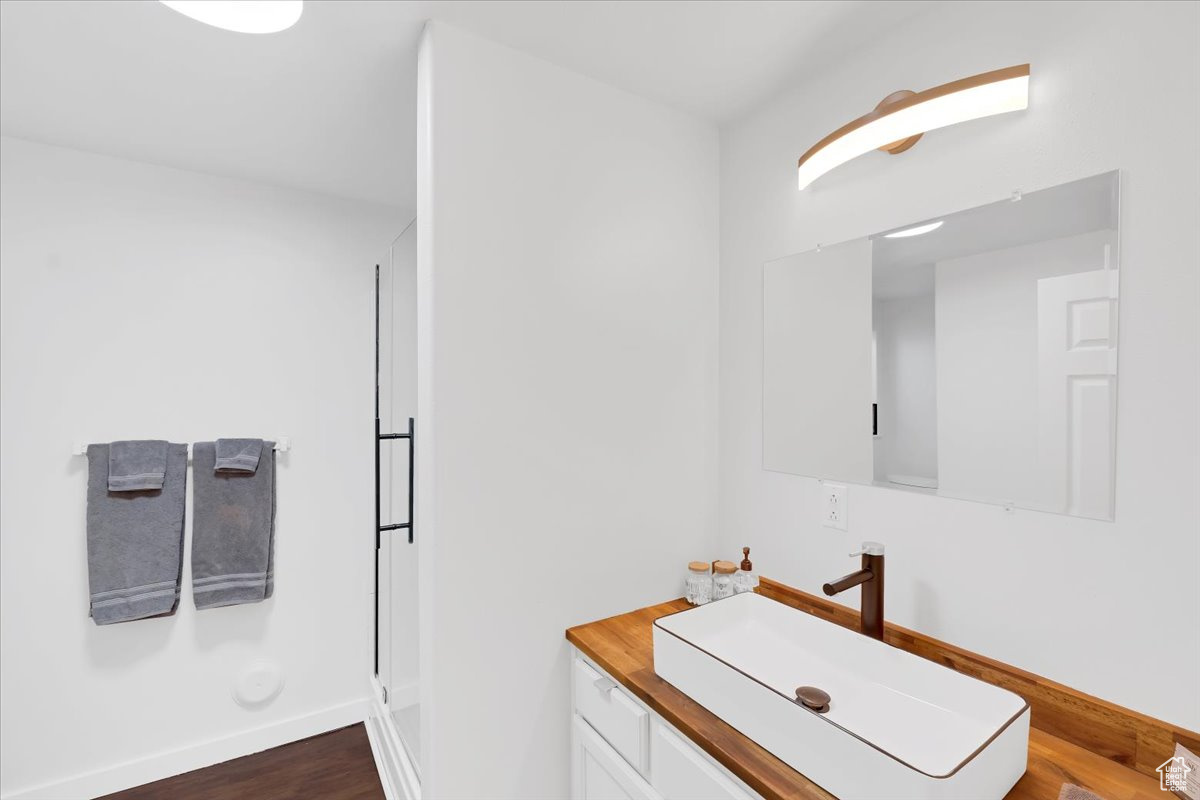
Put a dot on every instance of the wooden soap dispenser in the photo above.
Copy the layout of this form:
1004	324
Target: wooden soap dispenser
745	580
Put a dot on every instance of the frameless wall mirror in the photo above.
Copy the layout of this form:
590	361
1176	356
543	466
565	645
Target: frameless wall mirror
970	356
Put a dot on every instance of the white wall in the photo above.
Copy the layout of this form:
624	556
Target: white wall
1099	606
908	409
567	299
138	301
987	366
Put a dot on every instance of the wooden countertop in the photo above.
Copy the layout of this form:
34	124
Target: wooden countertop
623	647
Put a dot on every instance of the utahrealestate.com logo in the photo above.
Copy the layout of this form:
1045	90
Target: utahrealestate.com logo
1173	774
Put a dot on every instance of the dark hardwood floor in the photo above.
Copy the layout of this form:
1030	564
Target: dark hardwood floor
333	766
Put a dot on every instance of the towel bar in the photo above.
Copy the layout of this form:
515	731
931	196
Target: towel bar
282	445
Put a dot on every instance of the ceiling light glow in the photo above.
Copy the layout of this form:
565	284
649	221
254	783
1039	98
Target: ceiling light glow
910	115
243	16
916	230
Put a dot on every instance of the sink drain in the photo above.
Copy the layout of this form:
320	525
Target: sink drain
814	698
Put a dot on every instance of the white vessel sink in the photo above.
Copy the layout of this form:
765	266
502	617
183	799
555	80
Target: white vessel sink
897	726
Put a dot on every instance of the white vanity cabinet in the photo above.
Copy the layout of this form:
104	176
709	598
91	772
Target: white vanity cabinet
599	773
621	750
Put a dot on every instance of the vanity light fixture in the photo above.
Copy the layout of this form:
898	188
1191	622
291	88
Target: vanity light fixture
902	117
915	230
243	16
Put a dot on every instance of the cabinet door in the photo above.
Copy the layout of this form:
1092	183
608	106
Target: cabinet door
680	772
599	773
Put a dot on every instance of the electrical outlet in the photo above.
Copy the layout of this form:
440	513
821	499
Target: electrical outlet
834	505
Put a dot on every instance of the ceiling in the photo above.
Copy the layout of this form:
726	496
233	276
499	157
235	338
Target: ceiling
1069	209
894	282
329	105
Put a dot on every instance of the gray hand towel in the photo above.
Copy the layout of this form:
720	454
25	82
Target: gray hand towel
233	530
134	541
135	466
238	455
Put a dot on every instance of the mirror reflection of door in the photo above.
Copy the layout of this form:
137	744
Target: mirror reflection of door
990	374
1077	392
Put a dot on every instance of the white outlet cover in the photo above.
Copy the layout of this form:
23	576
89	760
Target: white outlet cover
835	505
258	684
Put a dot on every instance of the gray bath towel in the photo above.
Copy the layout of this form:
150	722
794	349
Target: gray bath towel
134	541
238	455
134	466
233	530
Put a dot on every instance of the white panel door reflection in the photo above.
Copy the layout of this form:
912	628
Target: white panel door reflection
1077	391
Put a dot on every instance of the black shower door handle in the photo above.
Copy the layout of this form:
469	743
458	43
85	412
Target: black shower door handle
379	438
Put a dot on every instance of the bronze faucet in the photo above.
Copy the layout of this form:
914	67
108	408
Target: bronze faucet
871	578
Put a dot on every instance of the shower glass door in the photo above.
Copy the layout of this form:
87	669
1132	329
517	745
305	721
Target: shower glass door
396	557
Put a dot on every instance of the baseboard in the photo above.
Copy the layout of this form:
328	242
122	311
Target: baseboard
203	754
397	773
404	696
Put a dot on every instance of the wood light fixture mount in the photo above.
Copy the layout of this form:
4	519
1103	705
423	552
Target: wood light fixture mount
900	145
903	117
